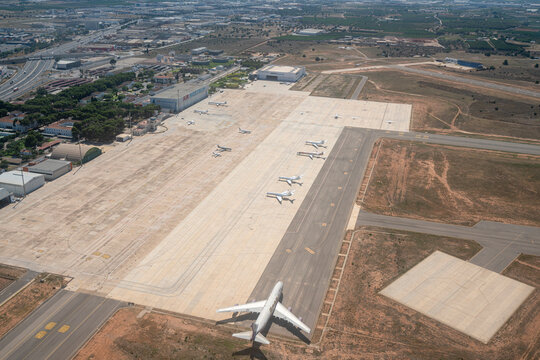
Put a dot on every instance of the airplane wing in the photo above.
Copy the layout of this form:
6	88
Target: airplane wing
315	145
250	307
310	156
282	312
289	182
279	198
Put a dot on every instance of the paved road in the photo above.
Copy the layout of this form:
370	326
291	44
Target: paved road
25	79
17	285
464	80
58	328
502	242
305	257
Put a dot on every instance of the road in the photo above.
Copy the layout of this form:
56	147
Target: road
307	253
359	88
59	327
25	79
502	243
17	286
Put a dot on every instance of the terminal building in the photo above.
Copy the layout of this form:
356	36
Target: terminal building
181	96
21	183
51	169
281	73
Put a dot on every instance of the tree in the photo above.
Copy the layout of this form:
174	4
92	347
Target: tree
536	66
505	62
112	62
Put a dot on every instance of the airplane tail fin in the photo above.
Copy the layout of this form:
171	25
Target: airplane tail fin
247	335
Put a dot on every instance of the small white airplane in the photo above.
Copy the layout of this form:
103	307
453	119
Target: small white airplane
218	103
311	155
191	122
337	116
282	195
291	179
316	144
244	131
201	112
223	148
267	309
216	154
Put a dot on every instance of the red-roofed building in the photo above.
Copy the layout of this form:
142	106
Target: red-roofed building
60	128
49	145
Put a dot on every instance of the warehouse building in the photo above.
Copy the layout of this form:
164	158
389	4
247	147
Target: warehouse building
181	96
281	73
21	183
51	168
67	64
72	152
5	197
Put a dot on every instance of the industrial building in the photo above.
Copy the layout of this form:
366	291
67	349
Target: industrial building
198	51
50	168
309	32
181	96
281	73
20	183
67	64
74	152
5	197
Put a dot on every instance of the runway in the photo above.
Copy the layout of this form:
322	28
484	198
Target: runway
305	257
17	286
58	328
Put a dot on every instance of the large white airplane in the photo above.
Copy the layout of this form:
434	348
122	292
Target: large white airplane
316	144
282	195
291	179
266	309
201	112
244	131
223	148
311	155
218	103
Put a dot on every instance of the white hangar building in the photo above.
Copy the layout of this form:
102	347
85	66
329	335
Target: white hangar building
21	183
180	97
281	73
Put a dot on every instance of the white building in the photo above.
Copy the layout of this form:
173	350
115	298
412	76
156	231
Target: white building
281	73
309	32
60	128
181	96
21	183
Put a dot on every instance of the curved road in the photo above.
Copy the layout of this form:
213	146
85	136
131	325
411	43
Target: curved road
25	79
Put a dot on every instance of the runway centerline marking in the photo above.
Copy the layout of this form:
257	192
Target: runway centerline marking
64	329
50	325
309	250
40	334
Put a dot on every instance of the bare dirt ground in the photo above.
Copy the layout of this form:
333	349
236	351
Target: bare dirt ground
363	324
335	86
9	274
22	304
453	185
445	108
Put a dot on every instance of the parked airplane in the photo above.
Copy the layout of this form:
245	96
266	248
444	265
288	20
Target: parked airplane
282	195
337	116
243	131
216	154
291	179
223	148
218	103
311	155
201	112
266	309
316	144
191	122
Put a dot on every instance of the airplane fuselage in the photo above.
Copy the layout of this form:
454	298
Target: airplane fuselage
268	310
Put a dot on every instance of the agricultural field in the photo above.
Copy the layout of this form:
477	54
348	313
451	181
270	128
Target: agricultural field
453	185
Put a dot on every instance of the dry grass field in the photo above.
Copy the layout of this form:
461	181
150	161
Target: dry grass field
454	185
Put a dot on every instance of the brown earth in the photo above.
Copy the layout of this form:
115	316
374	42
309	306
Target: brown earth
8	274
334	86
28	299
454	185
447	108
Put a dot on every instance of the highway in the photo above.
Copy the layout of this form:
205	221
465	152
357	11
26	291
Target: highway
59	327
25	79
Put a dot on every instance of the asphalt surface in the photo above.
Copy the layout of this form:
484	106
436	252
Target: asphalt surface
305	257
502	243
464	80
25	79
59	327
307	253
17	285
359	88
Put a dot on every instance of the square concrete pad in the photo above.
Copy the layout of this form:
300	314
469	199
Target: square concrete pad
464	296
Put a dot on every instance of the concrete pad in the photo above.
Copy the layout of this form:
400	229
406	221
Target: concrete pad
464	296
